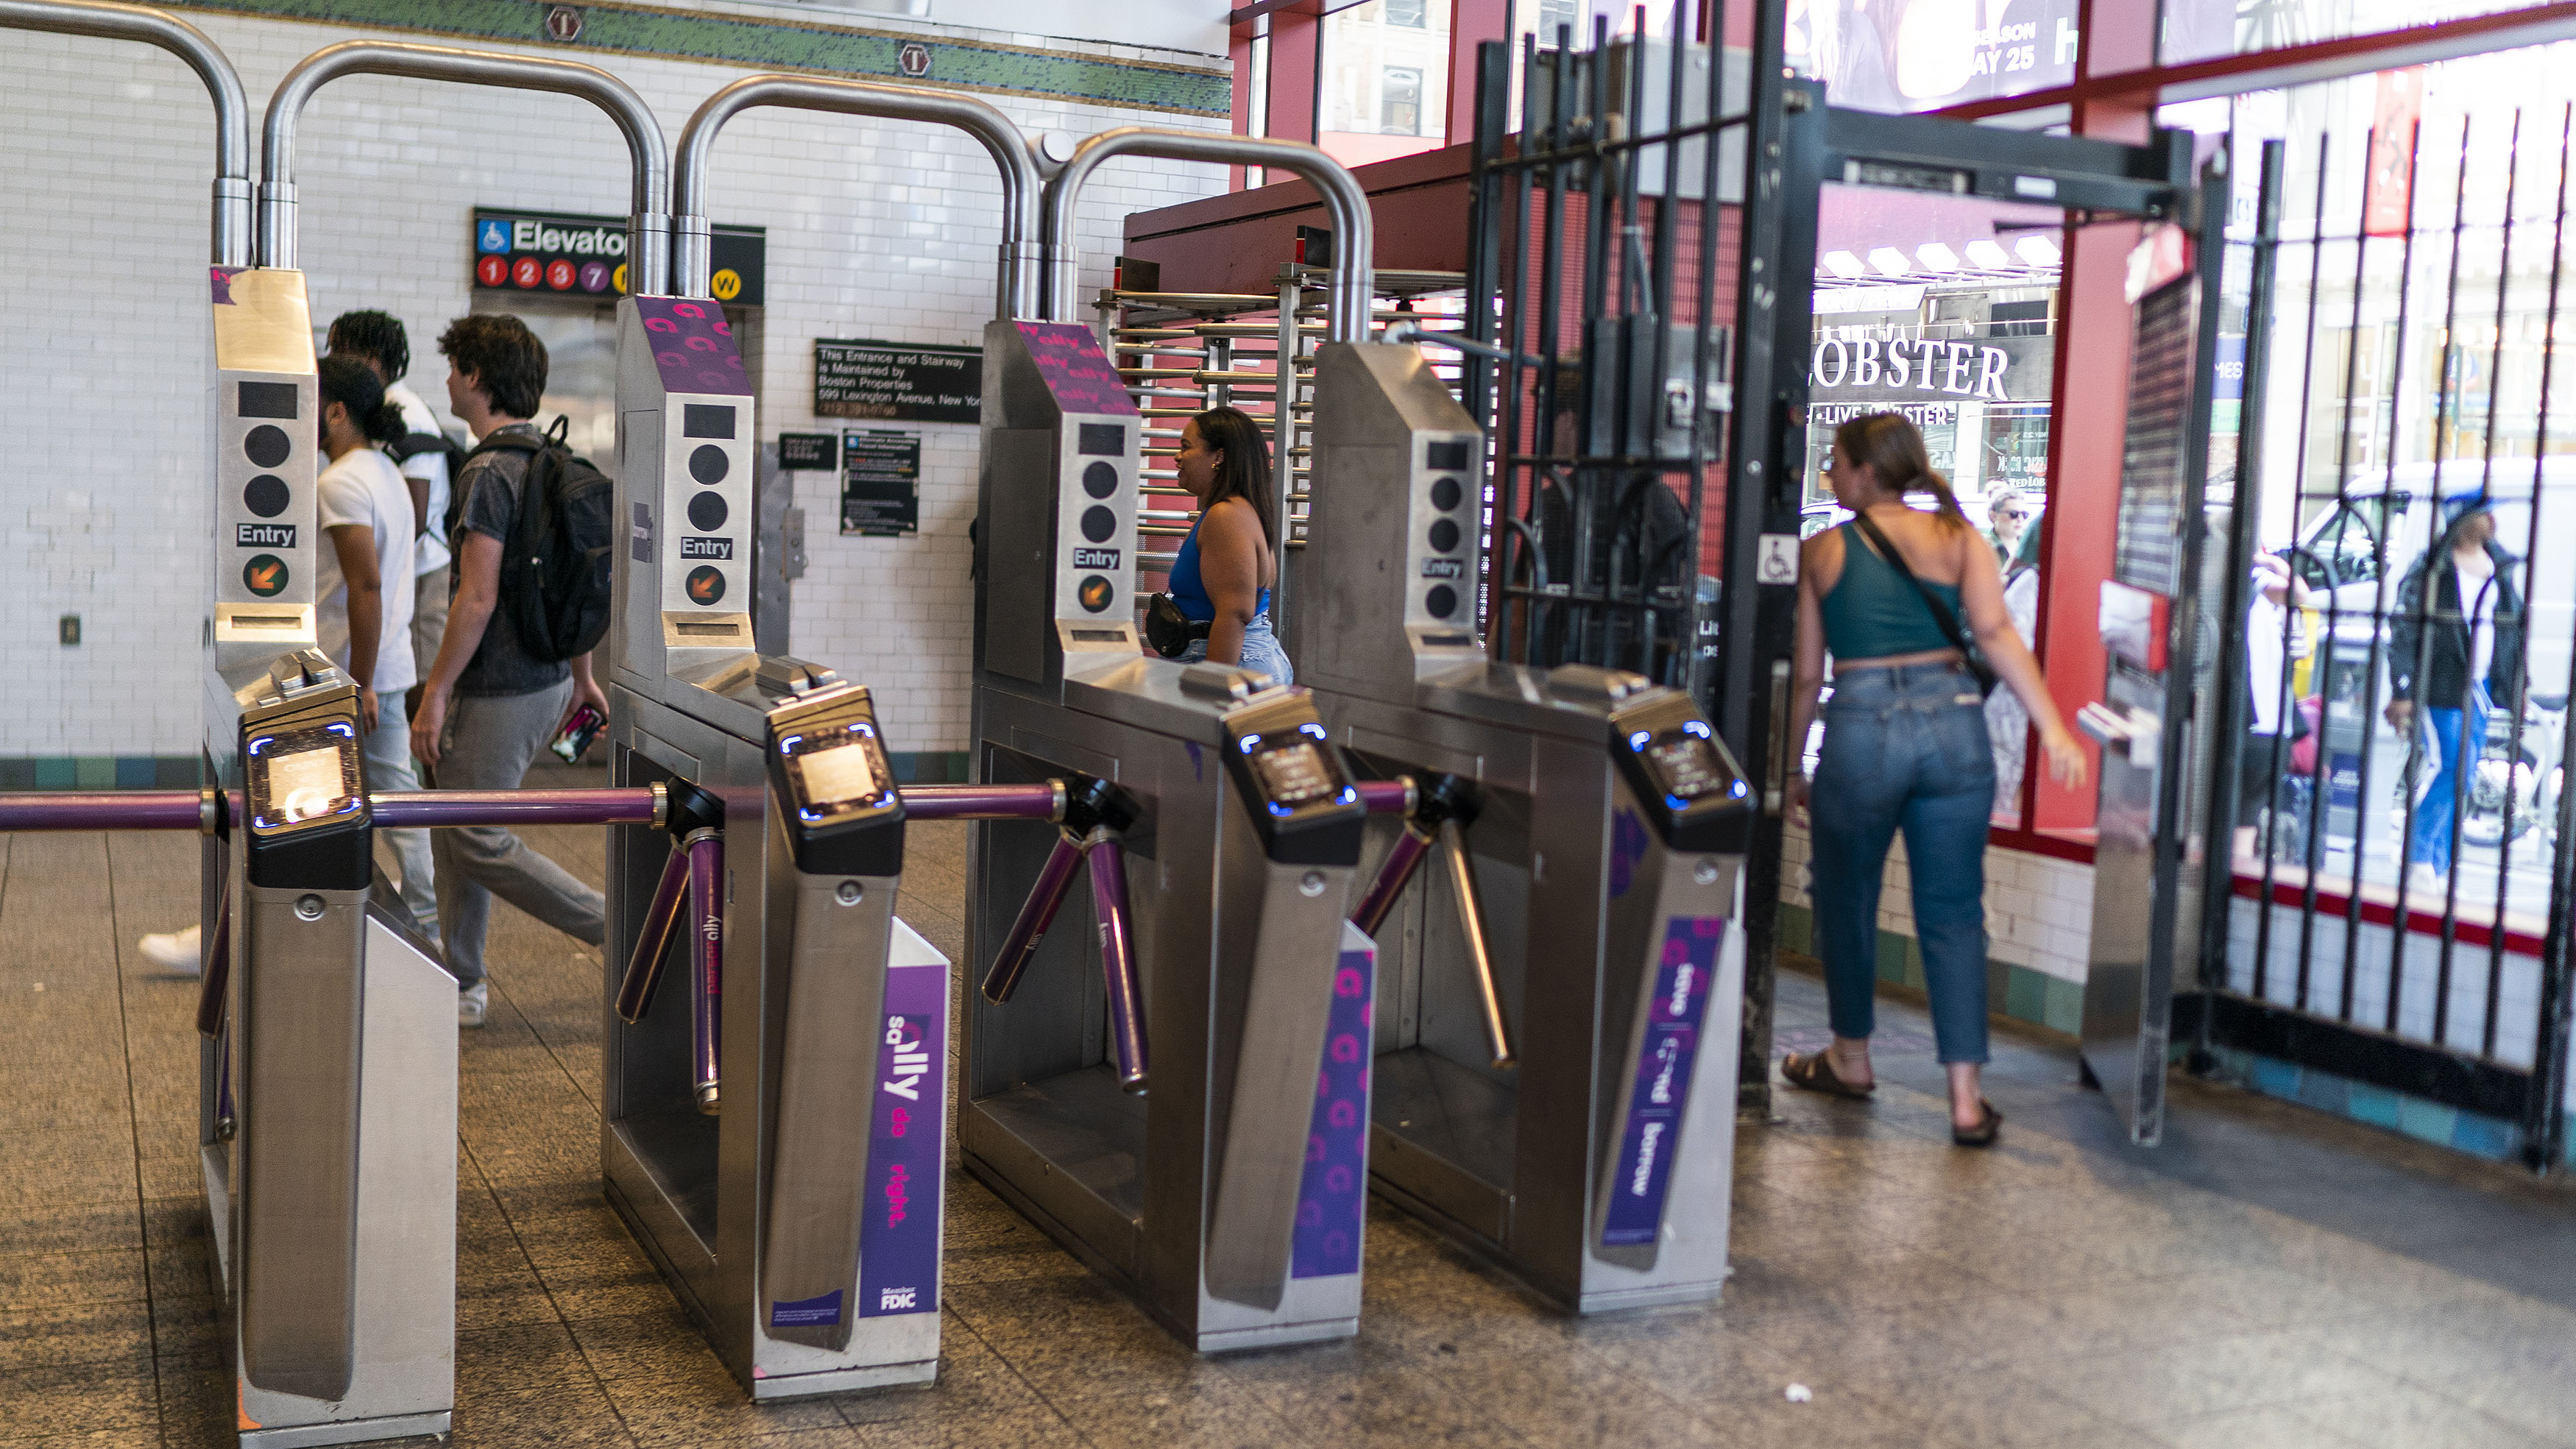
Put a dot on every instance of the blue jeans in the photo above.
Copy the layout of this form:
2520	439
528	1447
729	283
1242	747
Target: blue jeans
1905	748
1260	651
2455	752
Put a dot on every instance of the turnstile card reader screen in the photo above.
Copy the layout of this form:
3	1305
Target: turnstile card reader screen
302	777
1301	795
1682	774
828	765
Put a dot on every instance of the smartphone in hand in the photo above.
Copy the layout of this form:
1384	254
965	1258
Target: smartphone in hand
578	732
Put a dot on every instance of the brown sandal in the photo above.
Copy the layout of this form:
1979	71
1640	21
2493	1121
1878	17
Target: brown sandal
1814	1073
1983	1134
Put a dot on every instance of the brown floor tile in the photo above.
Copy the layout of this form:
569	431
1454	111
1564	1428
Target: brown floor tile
49	1280
708	1407
88	1333
518	1357
77	1398
646	1345
561	1416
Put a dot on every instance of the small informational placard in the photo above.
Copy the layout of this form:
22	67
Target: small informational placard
809	452
880	483
898	381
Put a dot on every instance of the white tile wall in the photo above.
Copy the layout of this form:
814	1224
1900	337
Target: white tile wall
875	229
2039	909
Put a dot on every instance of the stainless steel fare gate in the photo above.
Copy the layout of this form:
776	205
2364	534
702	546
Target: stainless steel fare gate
1154	1103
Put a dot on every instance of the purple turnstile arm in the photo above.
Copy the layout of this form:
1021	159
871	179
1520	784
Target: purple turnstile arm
982	802
1402	860
1055	881
653	939
1108	861
218	963
1386	797
706	958
104	810
416	809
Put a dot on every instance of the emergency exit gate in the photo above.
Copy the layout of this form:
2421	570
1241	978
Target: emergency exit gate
2332	947
1646	404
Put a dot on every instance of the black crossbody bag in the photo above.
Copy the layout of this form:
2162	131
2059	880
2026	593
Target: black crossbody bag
1947	621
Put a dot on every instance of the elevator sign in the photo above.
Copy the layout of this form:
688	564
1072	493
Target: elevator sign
560	254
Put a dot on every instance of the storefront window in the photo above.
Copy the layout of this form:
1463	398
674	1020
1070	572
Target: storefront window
1386	68
1943	311
2203	29
1920	55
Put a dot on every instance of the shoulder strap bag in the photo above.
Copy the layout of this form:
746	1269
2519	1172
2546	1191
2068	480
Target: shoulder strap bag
1947	621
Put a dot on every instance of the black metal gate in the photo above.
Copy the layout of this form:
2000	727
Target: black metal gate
2390	852
1646	225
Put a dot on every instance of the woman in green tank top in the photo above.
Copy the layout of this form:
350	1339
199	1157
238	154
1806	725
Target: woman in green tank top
1905	748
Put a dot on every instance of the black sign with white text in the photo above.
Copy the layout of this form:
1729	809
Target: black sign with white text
880	484
898	381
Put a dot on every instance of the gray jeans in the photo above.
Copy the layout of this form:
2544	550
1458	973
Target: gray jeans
489	741
389	767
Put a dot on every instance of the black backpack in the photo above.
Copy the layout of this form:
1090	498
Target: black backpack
555	564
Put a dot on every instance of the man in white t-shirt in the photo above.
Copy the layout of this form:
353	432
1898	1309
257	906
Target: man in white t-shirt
424	451
364	588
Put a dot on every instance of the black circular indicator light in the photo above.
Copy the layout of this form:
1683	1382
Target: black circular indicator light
707	512
267	445
1442	601
1096	594
1100	480
1444	536
266	495
709	464
706	584
264	575
1445	493
1099	523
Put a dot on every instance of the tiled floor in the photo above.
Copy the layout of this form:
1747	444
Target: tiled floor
2267	1278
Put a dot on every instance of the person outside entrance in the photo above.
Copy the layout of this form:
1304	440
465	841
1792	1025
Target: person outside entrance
2459	654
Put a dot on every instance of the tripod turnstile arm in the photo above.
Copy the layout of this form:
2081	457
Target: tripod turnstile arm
1471	928
218	966
653	941
1108	862
1054	883
705	848
1393	875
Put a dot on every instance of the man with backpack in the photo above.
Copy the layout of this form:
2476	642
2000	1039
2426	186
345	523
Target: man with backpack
504	680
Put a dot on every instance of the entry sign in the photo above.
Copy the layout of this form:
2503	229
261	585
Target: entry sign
808	452
881	484
898	381
585	256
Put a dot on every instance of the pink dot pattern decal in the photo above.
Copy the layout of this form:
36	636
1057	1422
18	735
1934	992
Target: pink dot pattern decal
693	345
1332	1192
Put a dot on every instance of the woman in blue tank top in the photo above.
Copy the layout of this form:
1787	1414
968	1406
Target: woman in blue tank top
1223	575
1905	748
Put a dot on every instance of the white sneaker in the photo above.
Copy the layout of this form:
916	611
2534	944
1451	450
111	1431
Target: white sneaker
471	1002
175	951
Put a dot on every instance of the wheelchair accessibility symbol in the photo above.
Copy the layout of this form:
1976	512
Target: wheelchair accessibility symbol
1778	563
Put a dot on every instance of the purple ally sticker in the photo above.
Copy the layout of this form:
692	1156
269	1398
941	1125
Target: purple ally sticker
1643	1170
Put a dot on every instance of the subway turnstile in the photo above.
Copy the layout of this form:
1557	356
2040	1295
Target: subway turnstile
329	1115
772	1126
1199	1181
1557	1005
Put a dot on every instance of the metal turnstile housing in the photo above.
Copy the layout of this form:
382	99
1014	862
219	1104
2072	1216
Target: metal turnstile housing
1619	1111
